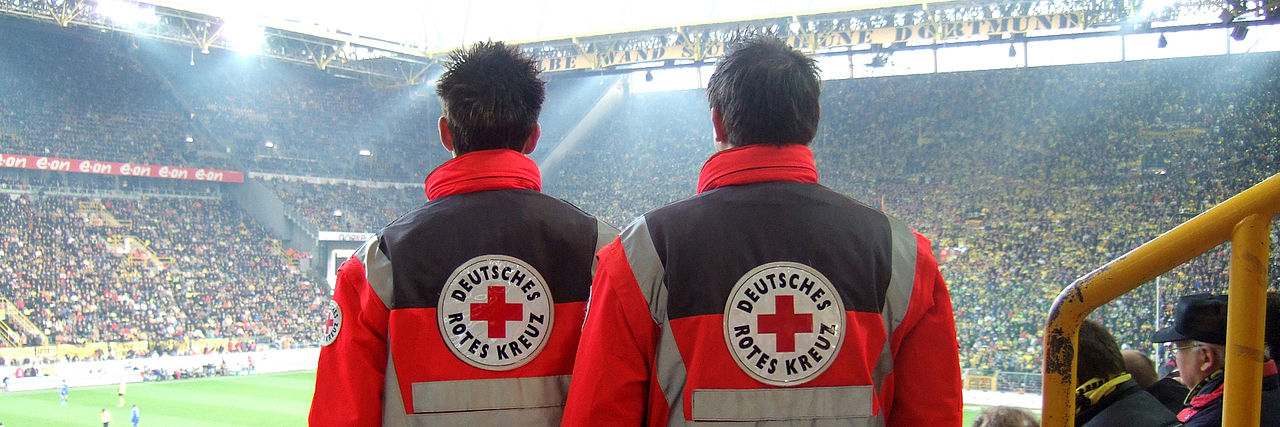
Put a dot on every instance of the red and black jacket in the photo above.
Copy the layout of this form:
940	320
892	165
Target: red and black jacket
658	344
392	362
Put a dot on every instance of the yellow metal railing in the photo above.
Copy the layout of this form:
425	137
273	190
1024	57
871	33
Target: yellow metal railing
1245	220
15	316
7	335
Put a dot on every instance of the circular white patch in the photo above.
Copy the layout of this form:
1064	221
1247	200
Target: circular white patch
332	323
784	323
495	312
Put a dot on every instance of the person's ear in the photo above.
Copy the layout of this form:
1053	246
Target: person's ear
721	133
1208	359
532	142
446	139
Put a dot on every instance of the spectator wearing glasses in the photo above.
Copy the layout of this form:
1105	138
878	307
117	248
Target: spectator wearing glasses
1199	338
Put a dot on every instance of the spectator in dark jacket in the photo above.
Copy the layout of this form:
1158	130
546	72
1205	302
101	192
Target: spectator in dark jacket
1167	390
1199	335
1107	395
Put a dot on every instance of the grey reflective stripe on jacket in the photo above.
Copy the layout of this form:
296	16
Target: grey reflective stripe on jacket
529	401
605	234
898	296
377	269
794	406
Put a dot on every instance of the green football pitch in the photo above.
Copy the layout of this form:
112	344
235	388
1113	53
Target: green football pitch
255	400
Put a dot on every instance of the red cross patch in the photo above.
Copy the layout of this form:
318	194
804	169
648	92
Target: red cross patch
784	323
495	312
332	323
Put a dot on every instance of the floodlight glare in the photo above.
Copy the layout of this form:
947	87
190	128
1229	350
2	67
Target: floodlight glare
126	14
243	37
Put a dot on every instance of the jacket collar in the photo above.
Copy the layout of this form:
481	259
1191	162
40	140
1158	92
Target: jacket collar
1210	390
485	170
758	163
1091	409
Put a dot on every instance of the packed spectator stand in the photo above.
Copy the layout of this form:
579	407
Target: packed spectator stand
1025	179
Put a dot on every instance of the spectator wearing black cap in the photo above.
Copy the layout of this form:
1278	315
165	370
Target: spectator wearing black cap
1199	337
1107	395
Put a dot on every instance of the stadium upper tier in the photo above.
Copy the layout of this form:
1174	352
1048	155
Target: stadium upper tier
1024	179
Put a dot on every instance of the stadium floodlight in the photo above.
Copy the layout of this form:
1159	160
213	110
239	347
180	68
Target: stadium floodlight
365	152
127	14
190	139
270	144
244	37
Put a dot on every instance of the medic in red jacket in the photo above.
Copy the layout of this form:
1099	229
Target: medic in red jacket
465	311
766	297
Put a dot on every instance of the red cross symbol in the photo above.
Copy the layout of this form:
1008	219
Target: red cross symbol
497	311
328	325
785	323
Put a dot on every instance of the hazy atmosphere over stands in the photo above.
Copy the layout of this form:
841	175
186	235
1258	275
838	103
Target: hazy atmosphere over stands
1027	163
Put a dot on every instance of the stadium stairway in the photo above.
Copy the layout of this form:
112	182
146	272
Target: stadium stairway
137	250
280	251
13	316
7	335
97	216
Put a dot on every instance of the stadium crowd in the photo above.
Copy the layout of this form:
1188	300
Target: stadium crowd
284	119
49	108
152	269
348	207
1025	179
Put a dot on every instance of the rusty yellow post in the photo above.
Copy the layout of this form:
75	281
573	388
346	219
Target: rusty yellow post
1246	313
1129	271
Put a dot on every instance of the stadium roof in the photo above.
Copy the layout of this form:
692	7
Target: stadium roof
441	25
400	42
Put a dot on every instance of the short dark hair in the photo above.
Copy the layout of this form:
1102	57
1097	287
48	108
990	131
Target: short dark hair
766	92
1099	356
491	96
